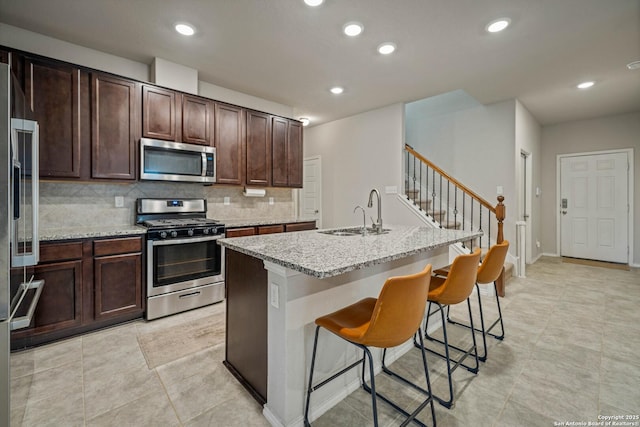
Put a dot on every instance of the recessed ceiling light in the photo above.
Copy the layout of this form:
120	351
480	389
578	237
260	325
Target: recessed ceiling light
386	48
353	29
585	85
336	90
305	121
633	65
313	3
498	25
185	29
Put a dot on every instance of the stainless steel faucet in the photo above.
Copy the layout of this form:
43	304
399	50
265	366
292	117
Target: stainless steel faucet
364	219
377	226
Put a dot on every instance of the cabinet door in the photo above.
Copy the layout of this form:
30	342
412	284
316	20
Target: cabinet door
294	155
279	154
118	285
53	90
229	142
160	113
115	127
197	118
4	56
60	305
258	148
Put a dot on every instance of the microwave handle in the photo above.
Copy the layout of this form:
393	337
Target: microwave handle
204	164
17	172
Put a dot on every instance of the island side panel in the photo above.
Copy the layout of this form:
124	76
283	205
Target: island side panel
246	337
301	299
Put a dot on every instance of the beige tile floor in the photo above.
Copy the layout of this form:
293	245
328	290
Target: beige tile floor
570	354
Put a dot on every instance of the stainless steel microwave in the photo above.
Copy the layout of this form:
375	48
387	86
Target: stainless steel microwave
174	161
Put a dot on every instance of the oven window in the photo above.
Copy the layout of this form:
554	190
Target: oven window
185	261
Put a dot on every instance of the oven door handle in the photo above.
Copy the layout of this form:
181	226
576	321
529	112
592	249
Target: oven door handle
187	240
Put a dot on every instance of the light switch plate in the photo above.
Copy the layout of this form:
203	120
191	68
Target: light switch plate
391	189
227	201
499	190
271	201
119	201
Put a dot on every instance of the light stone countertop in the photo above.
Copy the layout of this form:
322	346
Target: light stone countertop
234	223
321	255
89	232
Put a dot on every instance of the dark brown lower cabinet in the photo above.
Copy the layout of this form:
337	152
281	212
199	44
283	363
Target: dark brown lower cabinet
117	277
246	338
89	284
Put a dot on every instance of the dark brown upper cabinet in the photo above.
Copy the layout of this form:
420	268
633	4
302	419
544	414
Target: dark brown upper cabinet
161	113
115	115
287	153
53	89
229	143
4	56
176	116
197	120
258	150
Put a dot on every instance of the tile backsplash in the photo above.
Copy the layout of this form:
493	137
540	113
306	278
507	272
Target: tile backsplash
66	205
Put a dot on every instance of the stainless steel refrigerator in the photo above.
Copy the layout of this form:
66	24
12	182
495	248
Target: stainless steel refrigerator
19	246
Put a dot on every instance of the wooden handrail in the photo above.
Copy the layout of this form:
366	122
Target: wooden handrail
464	188
499	210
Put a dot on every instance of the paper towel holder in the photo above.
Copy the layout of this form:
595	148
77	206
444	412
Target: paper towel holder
254	192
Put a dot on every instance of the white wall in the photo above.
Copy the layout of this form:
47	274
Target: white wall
29	41
604	133
359	153
473	143
528	139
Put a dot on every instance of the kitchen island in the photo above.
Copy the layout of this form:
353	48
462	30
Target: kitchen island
277	285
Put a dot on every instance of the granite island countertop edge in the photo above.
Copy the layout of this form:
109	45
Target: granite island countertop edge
236	244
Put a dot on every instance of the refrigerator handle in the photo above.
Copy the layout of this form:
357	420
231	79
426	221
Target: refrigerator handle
17	171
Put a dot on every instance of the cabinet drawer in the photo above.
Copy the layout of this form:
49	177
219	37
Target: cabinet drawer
117	246
300	226
60	251
239	232
270	229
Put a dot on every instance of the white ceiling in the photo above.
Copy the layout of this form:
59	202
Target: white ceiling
287	52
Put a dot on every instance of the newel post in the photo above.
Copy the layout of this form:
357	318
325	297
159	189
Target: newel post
500	215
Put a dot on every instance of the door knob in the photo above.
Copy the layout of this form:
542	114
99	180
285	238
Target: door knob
316	211
564	212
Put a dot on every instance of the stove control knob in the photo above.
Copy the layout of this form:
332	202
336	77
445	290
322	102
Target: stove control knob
174	234
163	234
190	232
206	231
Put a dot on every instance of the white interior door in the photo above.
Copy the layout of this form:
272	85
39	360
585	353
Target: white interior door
311	193
594	207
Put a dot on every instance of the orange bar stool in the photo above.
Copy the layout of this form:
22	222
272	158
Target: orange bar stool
388	321
488	272
454	289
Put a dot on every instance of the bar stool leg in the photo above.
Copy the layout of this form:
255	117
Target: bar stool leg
309	389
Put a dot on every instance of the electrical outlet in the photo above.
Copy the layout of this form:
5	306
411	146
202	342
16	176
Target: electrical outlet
275	295
227	201
271	201
538	244
119	202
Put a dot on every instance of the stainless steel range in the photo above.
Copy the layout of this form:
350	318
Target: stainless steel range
184	263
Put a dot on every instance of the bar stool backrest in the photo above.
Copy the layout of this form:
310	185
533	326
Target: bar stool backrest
492	264
460	280
399	310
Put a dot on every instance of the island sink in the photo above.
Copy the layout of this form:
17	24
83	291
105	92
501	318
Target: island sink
356	231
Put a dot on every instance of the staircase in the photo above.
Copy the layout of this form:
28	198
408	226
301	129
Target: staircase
447	203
